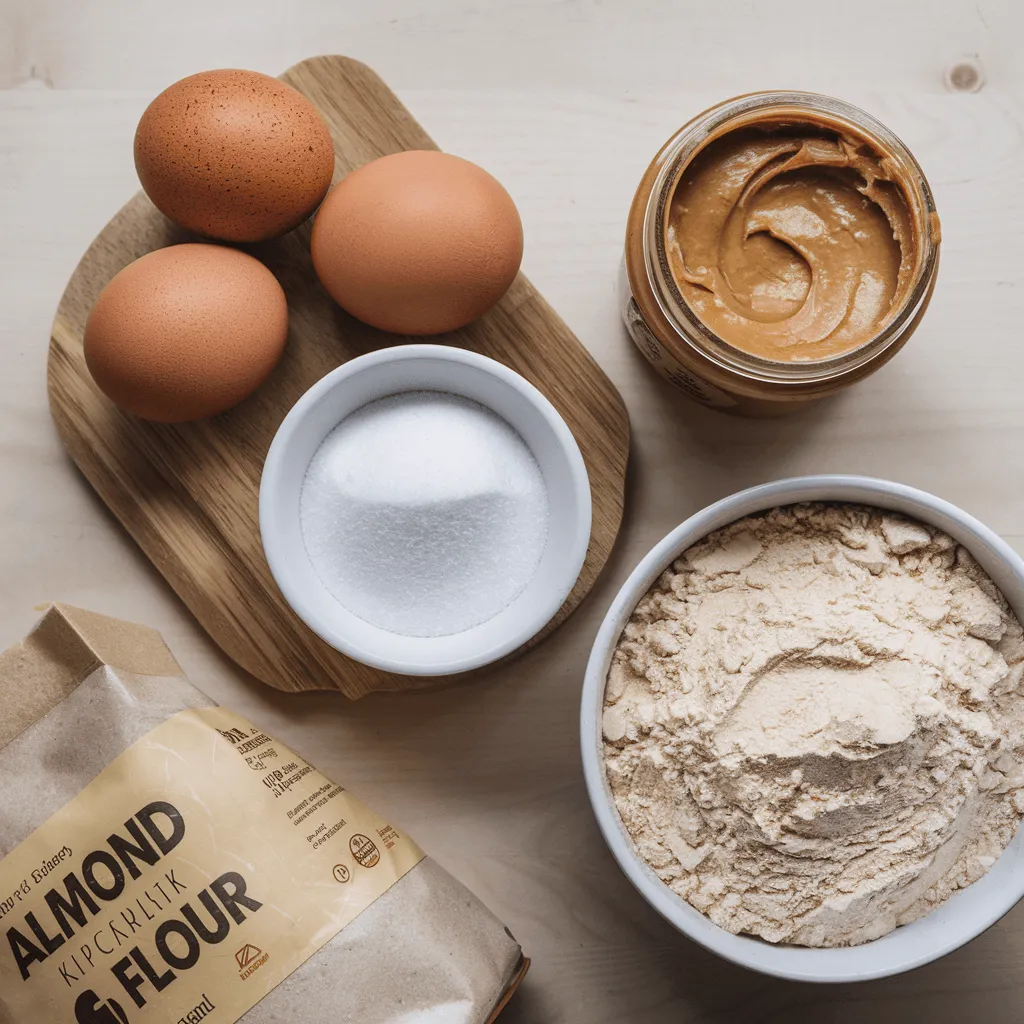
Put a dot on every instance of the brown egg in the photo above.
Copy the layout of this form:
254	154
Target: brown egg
417	242
186	332
234	155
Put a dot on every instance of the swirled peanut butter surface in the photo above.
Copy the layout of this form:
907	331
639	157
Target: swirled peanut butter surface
791	242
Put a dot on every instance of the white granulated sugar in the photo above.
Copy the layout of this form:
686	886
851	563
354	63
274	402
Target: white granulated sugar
814	724
424	513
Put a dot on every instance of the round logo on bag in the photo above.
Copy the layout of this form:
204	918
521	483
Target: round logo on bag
364	851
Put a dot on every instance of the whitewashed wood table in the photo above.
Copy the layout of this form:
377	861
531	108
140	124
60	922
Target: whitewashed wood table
565	102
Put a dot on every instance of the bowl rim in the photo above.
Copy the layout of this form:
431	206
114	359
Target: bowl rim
783	961
270	527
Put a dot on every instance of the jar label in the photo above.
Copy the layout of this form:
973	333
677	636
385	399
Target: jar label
192	876
667	364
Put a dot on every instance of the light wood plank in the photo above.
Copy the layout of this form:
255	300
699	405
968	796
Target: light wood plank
595	45
564	104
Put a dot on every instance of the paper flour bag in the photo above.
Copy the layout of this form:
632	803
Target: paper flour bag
164	860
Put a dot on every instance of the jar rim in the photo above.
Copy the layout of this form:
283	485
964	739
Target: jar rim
745	110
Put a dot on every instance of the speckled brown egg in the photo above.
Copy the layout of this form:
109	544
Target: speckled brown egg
234	155
418	242
186	332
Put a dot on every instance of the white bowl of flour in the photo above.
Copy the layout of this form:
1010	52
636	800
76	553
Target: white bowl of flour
425	509
803	740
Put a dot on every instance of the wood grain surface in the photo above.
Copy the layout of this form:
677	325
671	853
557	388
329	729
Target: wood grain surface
189	493
565	101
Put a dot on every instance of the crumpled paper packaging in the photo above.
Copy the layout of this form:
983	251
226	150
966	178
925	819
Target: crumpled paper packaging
425	951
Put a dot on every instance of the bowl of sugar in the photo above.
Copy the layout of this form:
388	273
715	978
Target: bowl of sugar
425	509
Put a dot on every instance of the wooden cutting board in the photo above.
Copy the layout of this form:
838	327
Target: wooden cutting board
188	493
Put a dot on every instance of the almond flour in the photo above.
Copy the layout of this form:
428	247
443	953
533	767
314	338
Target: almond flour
813	724
80	691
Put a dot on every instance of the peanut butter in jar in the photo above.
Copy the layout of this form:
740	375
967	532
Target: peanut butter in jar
780	247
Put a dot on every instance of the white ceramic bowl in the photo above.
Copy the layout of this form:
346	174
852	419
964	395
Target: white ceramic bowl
425	368
953	923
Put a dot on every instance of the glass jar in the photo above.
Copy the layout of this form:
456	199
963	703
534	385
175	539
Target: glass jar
679	344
